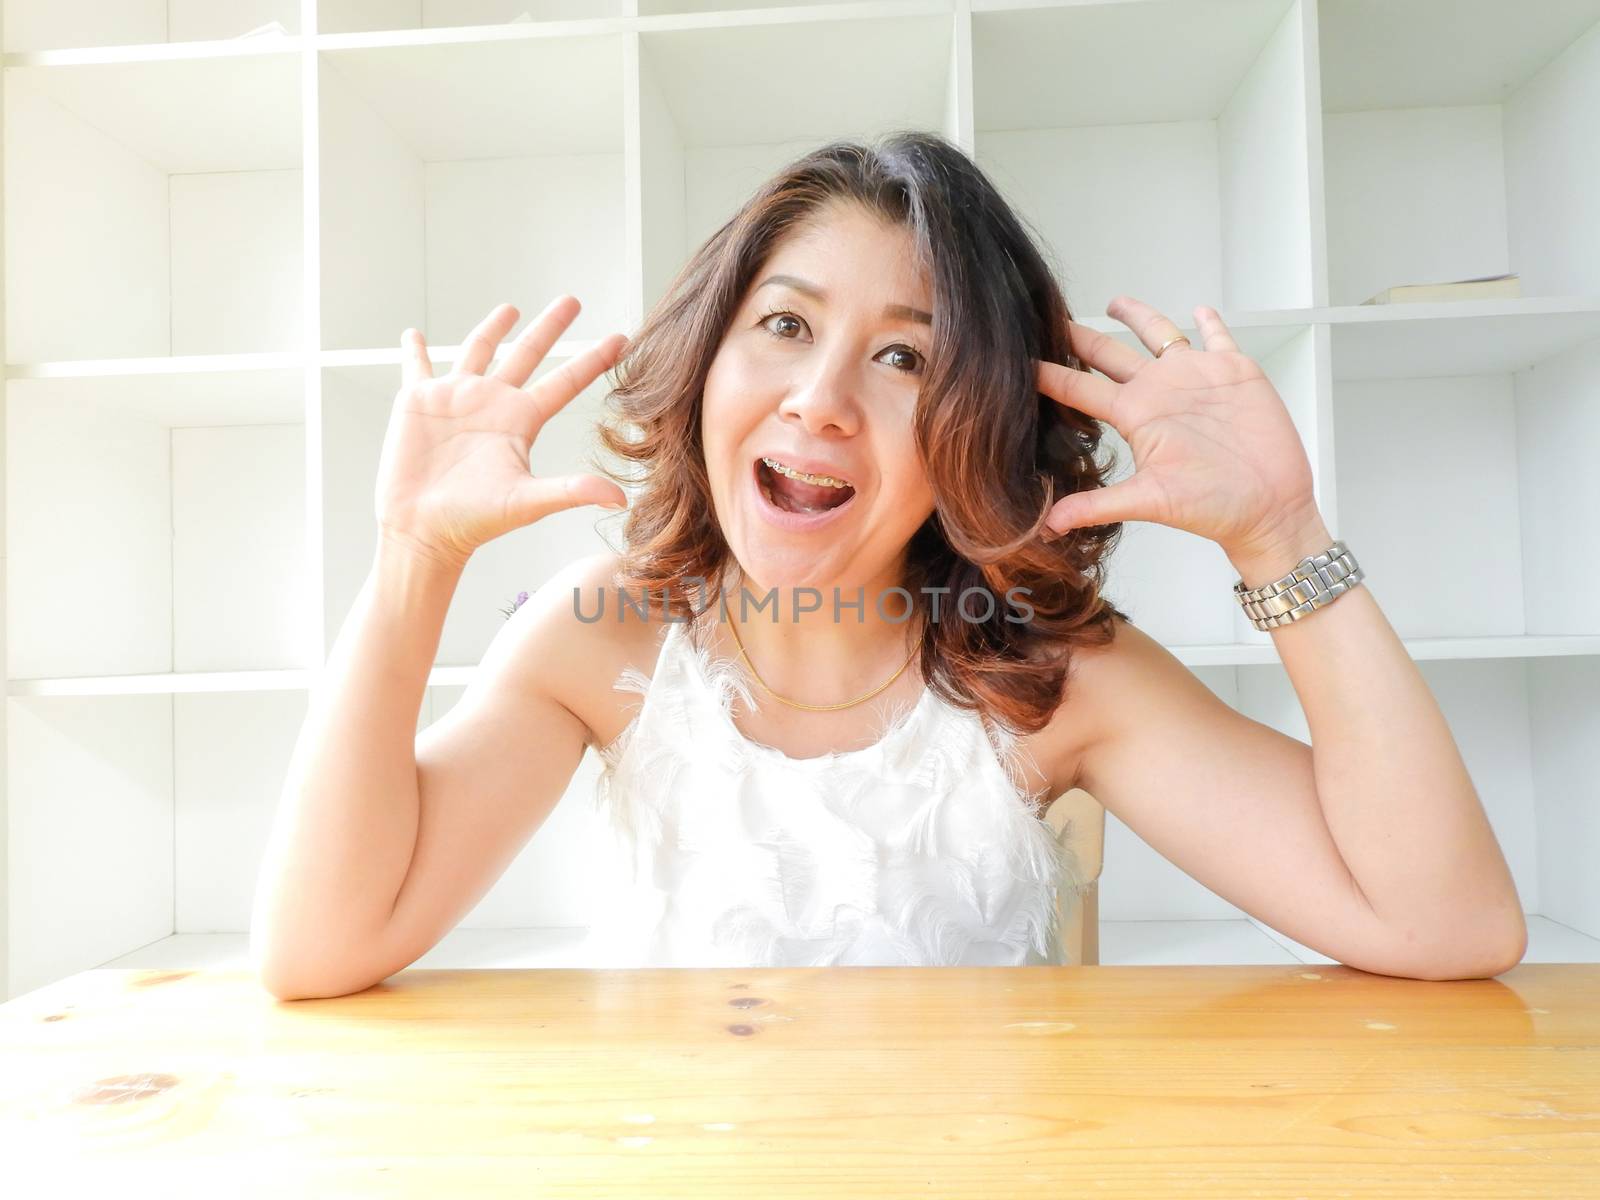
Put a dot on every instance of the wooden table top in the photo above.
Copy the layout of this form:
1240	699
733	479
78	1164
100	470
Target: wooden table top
1280	1081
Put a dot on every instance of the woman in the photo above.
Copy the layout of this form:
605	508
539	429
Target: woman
866	381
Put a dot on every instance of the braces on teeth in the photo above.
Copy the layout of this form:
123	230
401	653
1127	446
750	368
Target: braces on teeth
804	477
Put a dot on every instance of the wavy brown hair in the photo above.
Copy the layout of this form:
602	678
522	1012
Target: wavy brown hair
996	451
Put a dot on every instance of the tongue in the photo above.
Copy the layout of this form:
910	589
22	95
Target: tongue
806	497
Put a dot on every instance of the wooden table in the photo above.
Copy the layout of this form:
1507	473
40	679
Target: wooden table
1276	1081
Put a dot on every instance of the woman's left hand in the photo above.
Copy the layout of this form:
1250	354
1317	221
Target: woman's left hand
1214	448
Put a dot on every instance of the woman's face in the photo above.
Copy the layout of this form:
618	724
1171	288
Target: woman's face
819	370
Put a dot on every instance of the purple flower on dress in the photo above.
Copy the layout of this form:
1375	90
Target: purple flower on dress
522	598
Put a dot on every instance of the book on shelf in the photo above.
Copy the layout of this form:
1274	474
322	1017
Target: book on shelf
1485	287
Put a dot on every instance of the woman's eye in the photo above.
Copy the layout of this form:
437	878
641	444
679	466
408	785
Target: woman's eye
916	358
767	321
907	350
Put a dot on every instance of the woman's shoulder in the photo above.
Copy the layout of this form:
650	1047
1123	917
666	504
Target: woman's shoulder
599	639
1087	709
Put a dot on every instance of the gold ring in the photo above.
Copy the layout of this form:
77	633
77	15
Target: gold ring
1171	340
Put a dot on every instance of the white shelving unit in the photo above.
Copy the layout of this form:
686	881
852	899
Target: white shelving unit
220	216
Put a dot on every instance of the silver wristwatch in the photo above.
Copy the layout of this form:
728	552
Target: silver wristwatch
1315	582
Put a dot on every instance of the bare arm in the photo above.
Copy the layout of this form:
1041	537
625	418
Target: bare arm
475	786
454	474
495	766
347	820
1235	804
1373	847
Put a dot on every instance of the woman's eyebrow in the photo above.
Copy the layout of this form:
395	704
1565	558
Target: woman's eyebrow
903	311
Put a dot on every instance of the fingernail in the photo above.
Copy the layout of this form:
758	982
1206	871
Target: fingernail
613	505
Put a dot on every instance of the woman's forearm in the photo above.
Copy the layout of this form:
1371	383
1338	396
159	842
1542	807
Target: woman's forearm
1393	787
346	825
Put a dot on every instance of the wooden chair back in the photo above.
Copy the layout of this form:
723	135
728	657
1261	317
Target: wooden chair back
1079	823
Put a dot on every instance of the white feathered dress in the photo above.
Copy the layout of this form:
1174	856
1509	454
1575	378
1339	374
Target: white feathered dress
922	849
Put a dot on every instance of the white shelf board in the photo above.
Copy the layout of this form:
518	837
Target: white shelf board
166	683
1379	54
57	24
1294	319
1075	65
744	10
443	35
1404	341
444	357
1369	341
1122	944
1463	337
460	949
1240	654
574	20
1258	334
155	52
1420	649
351	16
267	396
187	364
190	682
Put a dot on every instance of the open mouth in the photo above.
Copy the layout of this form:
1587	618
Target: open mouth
794	491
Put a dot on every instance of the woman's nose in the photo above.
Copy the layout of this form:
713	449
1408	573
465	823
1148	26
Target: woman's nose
824	398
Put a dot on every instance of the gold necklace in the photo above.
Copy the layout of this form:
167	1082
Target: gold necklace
734	629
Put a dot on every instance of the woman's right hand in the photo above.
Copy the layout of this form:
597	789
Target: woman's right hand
454	470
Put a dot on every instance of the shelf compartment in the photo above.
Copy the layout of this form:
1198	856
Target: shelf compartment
125	184
1483	460
1176	586
447	187
706	147
1458	142
370	16
1159	147
33	25
156	524
356	406
179	793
